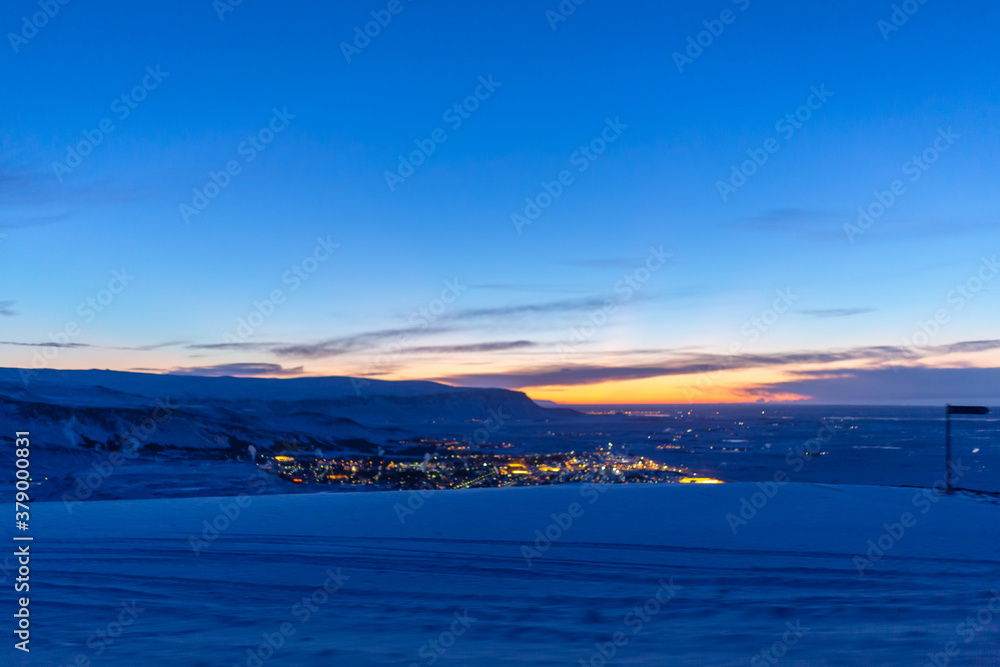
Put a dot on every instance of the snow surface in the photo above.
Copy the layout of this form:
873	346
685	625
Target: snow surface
463	552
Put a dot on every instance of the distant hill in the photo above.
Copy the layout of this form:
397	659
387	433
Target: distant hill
99	409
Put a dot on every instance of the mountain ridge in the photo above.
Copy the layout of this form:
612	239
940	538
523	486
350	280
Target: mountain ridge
113	409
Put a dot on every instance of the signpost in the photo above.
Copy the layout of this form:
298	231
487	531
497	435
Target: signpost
949	411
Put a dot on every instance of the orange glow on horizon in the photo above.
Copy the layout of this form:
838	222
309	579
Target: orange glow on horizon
747	385
722	387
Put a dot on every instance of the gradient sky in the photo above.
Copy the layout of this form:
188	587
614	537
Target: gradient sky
520	315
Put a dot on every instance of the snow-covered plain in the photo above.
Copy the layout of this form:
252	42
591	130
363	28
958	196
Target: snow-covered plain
651	575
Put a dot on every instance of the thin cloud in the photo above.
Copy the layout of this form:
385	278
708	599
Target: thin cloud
551	289
246	346
157	346
143	348
608	263
786	220
330	347
23	221
343	345
49	344
550	307
445	323
698	363
899	385
12	178
836	312
346	344
5	308
238	370
474	347
35	197
970	346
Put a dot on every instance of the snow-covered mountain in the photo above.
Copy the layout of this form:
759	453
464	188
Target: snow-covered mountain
83	419
145	412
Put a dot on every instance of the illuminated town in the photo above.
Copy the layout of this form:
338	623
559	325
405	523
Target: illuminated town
477	470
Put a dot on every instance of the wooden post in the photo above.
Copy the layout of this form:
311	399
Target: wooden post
950	410
947	449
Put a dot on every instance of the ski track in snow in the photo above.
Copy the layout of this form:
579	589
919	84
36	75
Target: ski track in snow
462	550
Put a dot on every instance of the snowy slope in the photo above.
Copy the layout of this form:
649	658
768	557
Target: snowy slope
80	386
406	564
220	417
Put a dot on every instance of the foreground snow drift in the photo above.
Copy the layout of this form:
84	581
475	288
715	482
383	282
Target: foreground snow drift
545	575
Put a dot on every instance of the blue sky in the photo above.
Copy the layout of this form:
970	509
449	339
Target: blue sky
523	316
